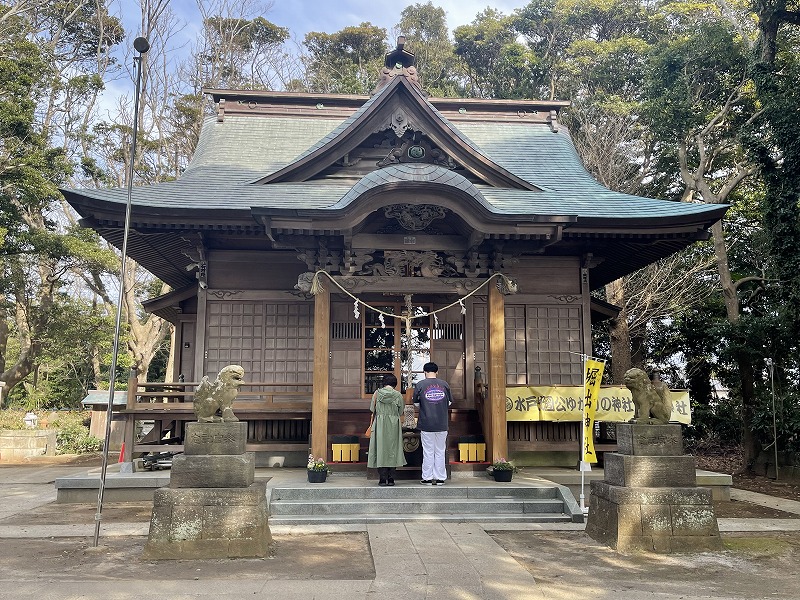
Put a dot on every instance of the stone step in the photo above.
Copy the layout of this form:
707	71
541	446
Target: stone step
329	492
416	506
478	501
289	520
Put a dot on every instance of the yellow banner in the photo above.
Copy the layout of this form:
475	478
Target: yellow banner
563	403
593	377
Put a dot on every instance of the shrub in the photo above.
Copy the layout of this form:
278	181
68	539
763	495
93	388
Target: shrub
74	438
12	419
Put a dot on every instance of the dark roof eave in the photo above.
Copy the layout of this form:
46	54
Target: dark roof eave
356	100
336	214
170	298
704	218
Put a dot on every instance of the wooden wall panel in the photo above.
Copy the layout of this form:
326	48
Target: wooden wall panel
448	352
546	275
449	355
186	350
253	270
345	370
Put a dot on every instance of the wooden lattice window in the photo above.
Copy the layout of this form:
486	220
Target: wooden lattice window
346	331
516	347
288	343
235	336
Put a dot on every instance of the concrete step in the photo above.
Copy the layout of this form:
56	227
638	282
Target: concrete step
370	492
386	518
429	506
477	502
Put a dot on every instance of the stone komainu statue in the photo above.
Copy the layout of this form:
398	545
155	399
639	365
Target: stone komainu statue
213	401
650	398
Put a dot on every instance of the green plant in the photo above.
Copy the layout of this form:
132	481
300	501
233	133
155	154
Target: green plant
501	464
12	419
317	464
74	438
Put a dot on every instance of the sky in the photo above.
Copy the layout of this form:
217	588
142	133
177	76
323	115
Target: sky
329	16
300	17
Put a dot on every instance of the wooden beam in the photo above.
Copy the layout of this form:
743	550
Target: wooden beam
200	335
586	311
319	399
496	433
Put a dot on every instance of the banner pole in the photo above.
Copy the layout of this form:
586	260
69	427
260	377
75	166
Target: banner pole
583	437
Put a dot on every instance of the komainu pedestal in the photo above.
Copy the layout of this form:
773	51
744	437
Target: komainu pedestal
649	499
212	507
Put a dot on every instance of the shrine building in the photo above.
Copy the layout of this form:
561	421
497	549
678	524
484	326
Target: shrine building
462	231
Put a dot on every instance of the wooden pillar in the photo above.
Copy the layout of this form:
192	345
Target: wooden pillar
495	410
586	311
322	348
200	335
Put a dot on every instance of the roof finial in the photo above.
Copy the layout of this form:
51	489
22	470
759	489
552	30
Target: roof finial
398	62
399	58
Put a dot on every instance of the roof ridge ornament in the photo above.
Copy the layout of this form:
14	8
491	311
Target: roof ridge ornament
398	62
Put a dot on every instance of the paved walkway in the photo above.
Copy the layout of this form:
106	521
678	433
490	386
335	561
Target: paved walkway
412	561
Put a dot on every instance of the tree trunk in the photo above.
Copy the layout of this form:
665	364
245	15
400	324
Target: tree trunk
746	374
750	446
619	332
637	351
4	333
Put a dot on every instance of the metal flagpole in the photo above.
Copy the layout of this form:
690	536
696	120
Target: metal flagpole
141	45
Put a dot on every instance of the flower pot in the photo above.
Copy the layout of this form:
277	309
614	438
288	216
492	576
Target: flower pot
317	476
502	475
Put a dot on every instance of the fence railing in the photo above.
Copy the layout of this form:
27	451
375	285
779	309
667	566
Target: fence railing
178	396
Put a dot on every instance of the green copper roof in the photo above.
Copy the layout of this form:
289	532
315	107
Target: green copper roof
233	153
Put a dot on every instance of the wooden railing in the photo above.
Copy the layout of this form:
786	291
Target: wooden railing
278	415
178	397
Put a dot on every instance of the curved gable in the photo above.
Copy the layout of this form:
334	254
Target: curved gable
428	174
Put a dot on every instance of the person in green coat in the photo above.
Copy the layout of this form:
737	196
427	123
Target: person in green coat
386	441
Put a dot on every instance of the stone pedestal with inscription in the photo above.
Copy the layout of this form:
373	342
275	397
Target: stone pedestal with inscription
649	499
212	508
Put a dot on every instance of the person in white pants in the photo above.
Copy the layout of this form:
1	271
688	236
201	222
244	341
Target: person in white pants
433	398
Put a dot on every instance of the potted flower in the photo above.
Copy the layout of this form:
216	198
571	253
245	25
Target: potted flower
317	469
502	469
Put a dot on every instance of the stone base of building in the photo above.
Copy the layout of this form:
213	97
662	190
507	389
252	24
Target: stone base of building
649	501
